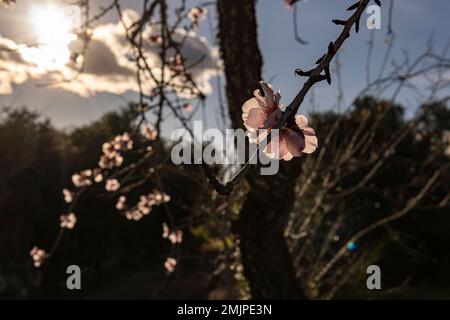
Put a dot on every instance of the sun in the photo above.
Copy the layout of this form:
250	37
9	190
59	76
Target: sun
53	30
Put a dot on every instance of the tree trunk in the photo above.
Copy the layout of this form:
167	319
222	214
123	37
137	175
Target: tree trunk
240	53
263	217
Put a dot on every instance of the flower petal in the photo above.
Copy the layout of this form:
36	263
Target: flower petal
259	98
268	93
277	147
295	143
273	118
256	118
301	121
311	143
248	106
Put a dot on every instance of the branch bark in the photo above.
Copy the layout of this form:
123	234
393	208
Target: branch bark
263	218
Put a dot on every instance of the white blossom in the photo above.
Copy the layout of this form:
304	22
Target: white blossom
149	132
68	195
68	220
120	205
38	256
197	14
174	236
170	264
82	179
112	185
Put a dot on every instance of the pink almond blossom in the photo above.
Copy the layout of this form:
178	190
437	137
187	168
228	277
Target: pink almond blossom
38	256
68	195
112	185
262	113
197	14
82	179
121	203
68	220
170	264
149	132
174	236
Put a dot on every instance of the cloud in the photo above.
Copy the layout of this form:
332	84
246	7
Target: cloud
13	68
101	61
109	65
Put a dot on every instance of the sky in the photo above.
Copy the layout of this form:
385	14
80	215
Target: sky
70	105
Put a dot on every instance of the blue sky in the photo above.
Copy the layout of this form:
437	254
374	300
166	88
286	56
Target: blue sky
414	21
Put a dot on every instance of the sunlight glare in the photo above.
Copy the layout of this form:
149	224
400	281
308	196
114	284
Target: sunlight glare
52	28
